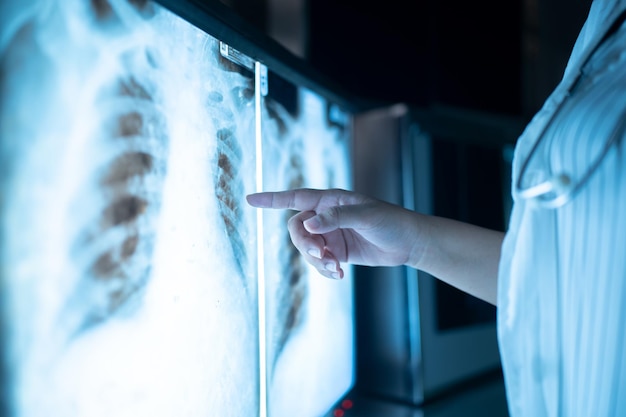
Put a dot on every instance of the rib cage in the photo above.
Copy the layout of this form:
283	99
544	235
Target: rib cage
292	286
139	133
228	180
104	11
229	185
116	248
294	294
131	185
121	149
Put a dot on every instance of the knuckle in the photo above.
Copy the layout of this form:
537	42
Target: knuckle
292	200
333	214
291	222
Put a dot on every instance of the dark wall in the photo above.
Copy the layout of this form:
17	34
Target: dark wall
549	33
458	53
501	57
253	11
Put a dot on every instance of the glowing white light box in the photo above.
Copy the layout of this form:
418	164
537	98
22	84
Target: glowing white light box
130	277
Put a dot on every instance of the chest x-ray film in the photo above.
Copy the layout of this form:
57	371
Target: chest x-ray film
309	332
129	260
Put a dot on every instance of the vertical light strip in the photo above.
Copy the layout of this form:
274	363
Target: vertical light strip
260	243
408	136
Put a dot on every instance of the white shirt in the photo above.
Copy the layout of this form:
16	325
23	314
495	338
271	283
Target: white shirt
562	275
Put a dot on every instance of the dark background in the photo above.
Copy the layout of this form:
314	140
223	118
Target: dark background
501	57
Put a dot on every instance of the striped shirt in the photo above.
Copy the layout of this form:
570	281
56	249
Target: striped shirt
562	275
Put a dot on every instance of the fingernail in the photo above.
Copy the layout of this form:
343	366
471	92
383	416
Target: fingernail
312	223
331	266
314	252
335	275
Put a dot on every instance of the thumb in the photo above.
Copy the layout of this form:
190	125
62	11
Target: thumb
336	217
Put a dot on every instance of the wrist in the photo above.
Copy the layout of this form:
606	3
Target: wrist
419	233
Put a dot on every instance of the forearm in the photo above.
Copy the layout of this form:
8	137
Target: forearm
460	254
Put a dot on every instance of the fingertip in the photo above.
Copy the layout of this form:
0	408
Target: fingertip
312	224
315	252
337	275
330	275
257	199
332	266
341	274
250	198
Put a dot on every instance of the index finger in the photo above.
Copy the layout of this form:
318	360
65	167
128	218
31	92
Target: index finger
298	199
